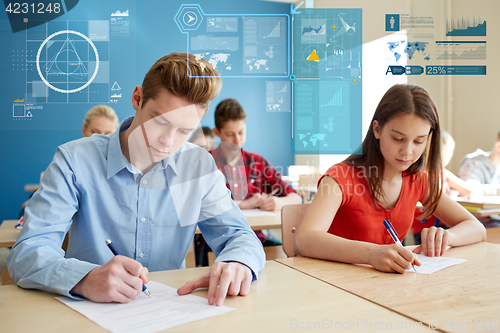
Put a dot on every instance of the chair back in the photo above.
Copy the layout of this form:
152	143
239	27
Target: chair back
291	216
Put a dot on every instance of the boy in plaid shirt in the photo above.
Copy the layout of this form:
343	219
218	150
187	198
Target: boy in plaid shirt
253	181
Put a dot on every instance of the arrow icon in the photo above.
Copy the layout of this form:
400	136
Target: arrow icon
190	18
294	10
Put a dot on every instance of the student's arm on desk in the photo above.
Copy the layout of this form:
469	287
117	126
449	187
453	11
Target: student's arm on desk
457	184
464	229
313	240
37	261
269	202
253	202
239	252
272	203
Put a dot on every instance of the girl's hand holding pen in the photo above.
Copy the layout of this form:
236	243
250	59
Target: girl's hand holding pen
392	258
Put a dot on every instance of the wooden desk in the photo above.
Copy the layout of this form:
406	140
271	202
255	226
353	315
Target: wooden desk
493	235
8	234
31	187
468	292
281	300
262	222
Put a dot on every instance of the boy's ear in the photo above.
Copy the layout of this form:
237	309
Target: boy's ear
137	98
216	132
83	130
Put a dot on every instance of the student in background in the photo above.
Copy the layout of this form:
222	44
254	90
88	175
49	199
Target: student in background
400	165
451	181
452	186
137	187
100	119
482	169
203	137
250	177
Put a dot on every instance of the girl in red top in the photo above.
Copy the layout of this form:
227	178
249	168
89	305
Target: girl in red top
400	165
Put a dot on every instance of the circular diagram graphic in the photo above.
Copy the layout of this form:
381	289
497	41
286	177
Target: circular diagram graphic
64	60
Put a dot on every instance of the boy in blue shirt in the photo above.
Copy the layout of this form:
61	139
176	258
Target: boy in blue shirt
145	188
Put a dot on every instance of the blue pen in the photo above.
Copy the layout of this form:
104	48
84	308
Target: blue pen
116	253
394	235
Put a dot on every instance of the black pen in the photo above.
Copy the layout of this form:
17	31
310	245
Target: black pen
116	253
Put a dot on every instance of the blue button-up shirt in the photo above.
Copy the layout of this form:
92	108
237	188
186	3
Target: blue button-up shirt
92	190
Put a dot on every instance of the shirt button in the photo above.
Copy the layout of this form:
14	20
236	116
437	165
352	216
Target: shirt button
143	219
141	255
235	185
144	182
234	169
252	180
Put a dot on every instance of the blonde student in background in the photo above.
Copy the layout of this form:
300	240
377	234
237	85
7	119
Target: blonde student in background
452	185
101	119
400	164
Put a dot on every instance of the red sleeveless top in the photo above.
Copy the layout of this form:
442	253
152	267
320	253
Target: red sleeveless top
357	217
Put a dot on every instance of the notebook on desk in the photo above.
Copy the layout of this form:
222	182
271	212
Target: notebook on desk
484	203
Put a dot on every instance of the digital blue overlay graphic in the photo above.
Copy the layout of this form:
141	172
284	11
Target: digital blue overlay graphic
238	45
327	91
466	27
392	22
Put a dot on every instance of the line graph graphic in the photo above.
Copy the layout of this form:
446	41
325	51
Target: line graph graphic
313	30
461	50
310	31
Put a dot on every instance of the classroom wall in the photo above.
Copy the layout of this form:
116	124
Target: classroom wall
468	104
27	150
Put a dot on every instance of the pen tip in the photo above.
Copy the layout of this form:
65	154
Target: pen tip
147	293
108	241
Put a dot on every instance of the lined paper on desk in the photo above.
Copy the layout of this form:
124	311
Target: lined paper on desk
165	309
433	264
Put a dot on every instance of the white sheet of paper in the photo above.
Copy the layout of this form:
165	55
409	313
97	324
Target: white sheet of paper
433	264
256	212
165	309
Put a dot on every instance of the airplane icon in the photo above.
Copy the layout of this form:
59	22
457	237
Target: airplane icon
345	28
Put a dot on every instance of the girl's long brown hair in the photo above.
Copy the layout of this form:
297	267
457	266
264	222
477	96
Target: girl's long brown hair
404	99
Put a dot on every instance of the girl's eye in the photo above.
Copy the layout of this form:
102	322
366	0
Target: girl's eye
159	123
398	139
419	142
